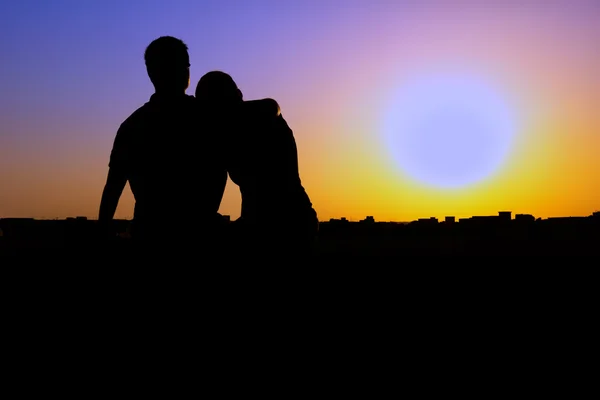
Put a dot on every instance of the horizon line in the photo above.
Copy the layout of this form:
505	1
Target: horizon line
367	218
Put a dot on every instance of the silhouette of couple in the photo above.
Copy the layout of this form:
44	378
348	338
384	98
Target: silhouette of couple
177	150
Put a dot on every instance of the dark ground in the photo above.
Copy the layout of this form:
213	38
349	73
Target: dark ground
426	294
406	249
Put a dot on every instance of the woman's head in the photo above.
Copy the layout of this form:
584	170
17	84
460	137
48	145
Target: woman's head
217	87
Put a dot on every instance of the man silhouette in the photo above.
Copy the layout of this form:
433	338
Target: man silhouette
277	215
168	156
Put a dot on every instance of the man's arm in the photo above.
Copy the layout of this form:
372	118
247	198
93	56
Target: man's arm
220	183
117	176
263	107
115	183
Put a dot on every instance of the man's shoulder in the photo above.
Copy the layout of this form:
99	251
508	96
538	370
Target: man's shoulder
138	116
191	100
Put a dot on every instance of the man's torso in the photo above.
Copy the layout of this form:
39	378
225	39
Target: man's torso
168	152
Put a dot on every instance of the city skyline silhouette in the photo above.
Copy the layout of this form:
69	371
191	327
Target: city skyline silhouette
503	234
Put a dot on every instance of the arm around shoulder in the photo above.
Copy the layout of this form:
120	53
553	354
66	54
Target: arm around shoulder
264	107
273	105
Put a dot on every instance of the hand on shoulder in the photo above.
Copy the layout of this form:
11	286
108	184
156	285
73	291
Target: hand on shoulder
274	106
266	106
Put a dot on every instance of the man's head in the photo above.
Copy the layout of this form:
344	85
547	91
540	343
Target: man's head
219	88
168	64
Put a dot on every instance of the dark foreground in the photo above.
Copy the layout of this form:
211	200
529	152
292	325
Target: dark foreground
423	292
334	249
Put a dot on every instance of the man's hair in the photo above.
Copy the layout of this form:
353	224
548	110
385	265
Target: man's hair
166	51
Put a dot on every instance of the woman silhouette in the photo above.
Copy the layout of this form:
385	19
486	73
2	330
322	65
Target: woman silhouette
263	161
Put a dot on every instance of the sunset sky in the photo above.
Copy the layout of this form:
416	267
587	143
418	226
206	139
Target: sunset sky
400	109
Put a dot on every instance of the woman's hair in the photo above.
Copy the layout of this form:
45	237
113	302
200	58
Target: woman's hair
218	87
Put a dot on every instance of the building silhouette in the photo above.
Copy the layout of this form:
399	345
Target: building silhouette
492	235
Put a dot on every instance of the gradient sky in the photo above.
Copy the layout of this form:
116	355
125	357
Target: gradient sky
72	71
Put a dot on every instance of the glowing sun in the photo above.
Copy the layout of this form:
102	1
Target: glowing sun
449	131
